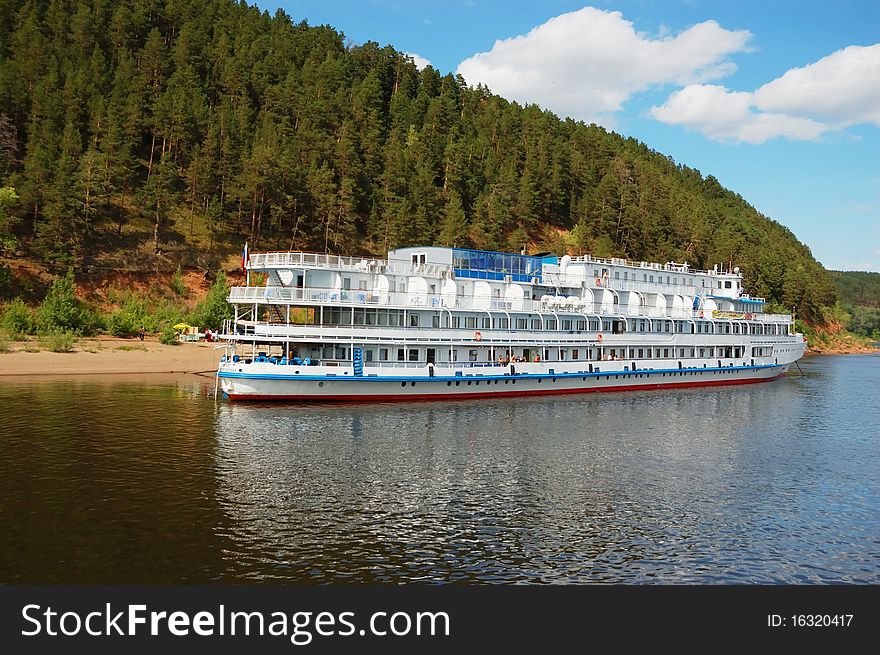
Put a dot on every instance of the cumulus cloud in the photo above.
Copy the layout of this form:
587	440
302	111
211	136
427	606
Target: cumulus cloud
727	115
419	61
838	91
587	63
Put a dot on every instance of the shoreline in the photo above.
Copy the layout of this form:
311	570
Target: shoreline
116	356
110	356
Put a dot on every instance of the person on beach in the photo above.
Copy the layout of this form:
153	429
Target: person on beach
142	333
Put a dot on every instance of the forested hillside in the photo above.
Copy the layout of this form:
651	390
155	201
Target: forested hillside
175	130
860	298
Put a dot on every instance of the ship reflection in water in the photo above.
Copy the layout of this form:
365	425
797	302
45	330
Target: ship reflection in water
148	481
708	486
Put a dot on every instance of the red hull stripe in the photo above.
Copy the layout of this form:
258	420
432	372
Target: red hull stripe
490	394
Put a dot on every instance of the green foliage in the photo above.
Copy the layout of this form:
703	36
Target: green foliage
17	319
59	341
212	113
169	336
62	311
857	287
860	300
134	311
214	309
177	285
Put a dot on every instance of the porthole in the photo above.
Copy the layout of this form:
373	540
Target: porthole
413	383
448	384
469	383
320	384
403	384
458	383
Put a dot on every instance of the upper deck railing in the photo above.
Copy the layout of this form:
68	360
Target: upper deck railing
546	305
282	259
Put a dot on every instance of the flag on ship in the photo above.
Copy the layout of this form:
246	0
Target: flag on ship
245	256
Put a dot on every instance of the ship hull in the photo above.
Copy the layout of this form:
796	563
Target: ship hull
272	387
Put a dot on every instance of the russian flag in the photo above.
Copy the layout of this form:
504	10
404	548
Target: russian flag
245	257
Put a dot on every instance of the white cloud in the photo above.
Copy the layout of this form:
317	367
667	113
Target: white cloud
587	63
727	115
419	61
842	89
838	91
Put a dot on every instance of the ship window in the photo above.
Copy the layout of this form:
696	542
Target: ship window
595	272
625	275
413	354
358	316
400	355
575	354
327	353
435	321
340	353
369	353
414	320
666	352
536	324
632	352
487	323
401	286
346	283
470	322
362	285
702	352
566	324
456	321
641	352
383	354
657	353
551	323
521	323
581	325
472	355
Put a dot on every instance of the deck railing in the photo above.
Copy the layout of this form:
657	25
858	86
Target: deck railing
549	305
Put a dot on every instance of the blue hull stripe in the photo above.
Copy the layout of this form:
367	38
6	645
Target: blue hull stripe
459	378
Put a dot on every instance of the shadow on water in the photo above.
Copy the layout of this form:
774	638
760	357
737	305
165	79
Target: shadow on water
151	482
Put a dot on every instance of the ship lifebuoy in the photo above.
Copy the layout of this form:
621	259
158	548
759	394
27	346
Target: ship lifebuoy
478	336
598	282
599	338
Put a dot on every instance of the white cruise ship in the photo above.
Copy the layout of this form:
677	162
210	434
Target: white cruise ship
429	323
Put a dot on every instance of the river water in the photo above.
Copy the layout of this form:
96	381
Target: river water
148	480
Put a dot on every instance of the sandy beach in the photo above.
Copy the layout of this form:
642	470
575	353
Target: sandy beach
108	355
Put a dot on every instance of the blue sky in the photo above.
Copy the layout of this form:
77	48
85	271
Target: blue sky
779	100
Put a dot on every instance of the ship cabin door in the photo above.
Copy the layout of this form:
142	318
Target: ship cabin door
430	356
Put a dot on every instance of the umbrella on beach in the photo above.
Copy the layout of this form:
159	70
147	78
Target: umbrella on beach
181	326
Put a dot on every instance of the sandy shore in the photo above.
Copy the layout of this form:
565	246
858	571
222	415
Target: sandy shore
107	355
